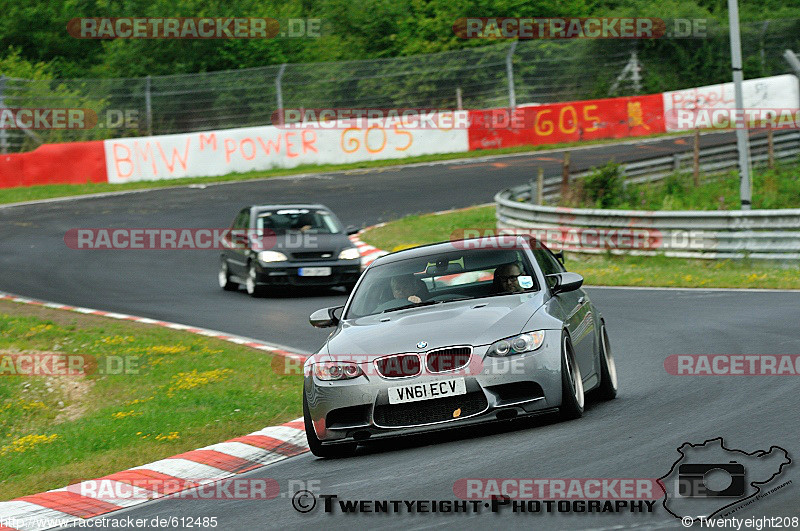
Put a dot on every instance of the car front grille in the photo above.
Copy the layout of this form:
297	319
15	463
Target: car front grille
313	255
398	366
430	411
448	359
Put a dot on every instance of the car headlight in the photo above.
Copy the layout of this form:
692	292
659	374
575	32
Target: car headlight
526	342
349	254
271	256
337	370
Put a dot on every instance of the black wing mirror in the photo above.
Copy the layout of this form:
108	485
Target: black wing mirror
565	282
326	317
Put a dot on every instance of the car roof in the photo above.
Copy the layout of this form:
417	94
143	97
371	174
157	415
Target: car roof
290	205
500	243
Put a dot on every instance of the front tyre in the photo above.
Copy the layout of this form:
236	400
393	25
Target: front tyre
572	396
251	284
607	389
224	277
315	445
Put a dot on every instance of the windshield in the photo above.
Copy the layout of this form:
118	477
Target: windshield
297	219
441	278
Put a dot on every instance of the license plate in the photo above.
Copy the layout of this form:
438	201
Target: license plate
427	391
314	271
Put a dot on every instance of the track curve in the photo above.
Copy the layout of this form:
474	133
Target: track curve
635	436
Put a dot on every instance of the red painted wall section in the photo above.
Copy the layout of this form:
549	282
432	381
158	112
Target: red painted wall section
567	122
67	163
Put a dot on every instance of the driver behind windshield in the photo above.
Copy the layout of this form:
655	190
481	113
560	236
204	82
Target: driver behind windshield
506	279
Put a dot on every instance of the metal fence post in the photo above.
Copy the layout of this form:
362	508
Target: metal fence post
279	93
148	106
459	105
3	131
512	97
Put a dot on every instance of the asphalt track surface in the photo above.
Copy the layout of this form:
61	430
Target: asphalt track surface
634	436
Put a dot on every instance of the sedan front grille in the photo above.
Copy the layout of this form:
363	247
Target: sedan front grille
430	411
448	359
398	366
313	255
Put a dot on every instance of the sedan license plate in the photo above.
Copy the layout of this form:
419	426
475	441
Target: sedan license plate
314	271
427	391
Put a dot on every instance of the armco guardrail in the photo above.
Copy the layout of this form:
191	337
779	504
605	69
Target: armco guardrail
757	234
717	159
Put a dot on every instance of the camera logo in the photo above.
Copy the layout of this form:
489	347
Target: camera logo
709	478
705	480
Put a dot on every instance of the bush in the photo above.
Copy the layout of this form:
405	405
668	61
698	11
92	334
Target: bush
604	187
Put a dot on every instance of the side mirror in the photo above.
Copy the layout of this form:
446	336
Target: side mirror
326	317
350	230
565	282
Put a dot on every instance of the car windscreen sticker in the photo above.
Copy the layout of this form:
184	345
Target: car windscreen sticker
525	281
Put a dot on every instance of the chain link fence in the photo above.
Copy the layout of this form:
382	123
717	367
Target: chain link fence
496	75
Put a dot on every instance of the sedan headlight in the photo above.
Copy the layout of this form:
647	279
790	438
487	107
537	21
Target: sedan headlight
337	370
349	254
526	342
271	256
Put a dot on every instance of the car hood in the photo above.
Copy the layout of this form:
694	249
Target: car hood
474	322
296	242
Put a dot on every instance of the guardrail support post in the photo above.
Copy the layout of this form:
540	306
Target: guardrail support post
540	187
770	149
565	175
676	162
459	106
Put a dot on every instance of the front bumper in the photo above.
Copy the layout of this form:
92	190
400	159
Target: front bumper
343	272
359	409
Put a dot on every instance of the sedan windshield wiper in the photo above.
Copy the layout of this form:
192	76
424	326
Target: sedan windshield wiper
412	305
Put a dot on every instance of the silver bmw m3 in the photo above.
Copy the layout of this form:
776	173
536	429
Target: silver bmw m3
452	334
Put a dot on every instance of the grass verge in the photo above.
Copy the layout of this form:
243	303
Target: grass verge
179	392
49	191
606	270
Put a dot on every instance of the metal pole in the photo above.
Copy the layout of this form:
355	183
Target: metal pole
3	131
742	143
793	61
512	97
635	74
148	106
279	93
458	99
